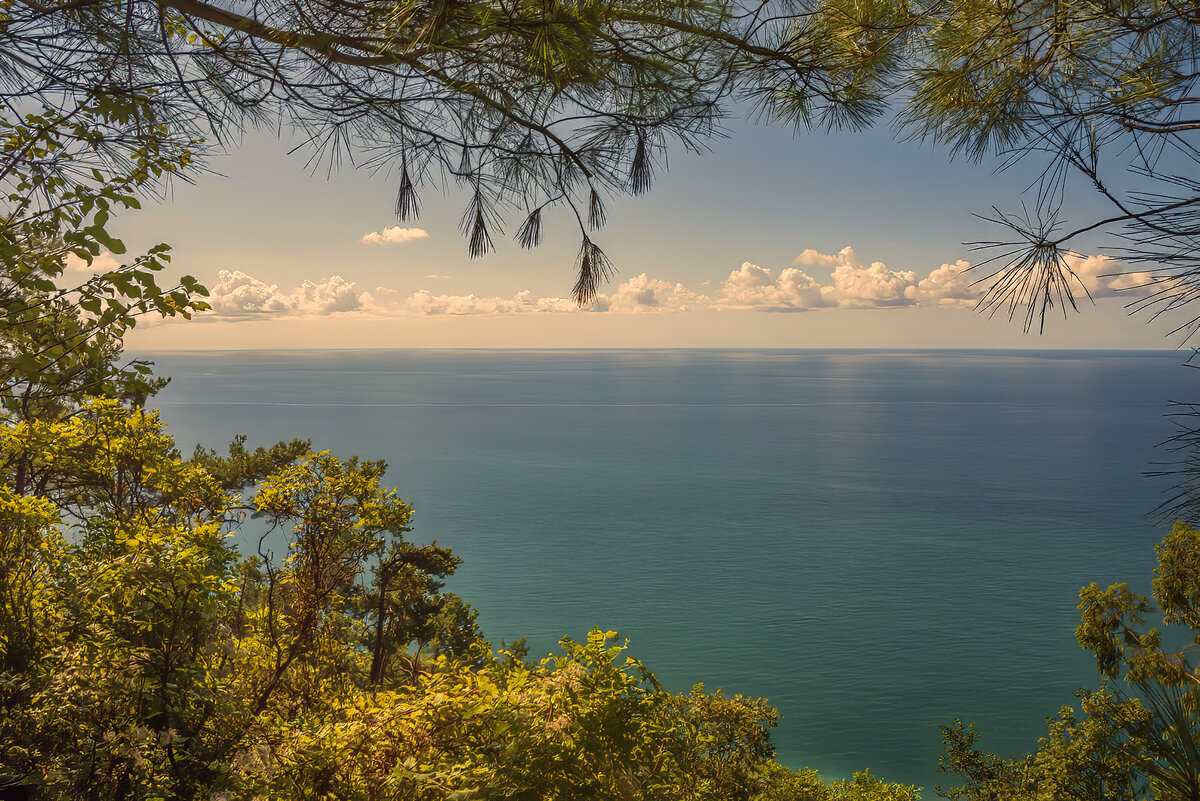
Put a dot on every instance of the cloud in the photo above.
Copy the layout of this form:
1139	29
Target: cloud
644	294
948	286
851	284
104	263
1106	278
385	302
855	286
750	287
812	258
639	294
859	286
237	294
394	235
754	287
424	302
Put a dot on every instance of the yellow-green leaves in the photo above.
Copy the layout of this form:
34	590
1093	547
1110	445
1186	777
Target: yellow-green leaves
587	723
31	555
337	517
108	464
1177	578
1112	621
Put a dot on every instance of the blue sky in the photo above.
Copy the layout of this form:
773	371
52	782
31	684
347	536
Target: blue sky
724	242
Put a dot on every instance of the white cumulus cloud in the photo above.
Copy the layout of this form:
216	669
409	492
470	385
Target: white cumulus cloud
948	285
850	284
639	294
855	285
394	235
1106	277
237	294
813	258
425	302
757	287
644	294
873	286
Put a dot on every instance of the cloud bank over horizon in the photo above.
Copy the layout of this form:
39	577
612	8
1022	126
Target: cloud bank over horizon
237	294
851	285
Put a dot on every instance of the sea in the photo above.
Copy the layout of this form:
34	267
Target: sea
879	542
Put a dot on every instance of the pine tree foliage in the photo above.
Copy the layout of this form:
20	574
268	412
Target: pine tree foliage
527	103
1099	95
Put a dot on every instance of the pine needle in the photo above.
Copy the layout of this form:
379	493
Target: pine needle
408	206
529	235
592	268
597	216
474	227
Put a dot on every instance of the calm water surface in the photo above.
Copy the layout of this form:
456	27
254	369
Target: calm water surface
879	542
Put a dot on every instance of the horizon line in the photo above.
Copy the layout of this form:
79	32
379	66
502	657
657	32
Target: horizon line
653	348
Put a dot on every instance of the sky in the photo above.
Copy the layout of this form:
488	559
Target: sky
768	240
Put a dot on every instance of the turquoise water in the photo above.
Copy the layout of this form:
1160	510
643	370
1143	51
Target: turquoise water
879	542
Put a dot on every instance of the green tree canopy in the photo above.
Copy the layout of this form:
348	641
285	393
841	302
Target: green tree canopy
1104	91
